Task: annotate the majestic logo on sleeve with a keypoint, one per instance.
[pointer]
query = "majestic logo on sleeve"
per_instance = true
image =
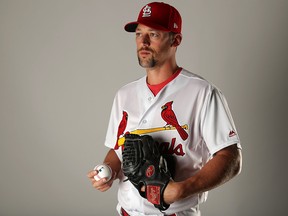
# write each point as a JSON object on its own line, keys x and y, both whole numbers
{"x": 232, "y": 133}
{"x": 169, "y": 116}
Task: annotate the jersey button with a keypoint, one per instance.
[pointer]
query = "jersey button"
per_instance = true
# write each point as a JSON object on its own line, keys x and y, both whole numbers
{"x": 149, "y": 98}
{"x": 144, "y": 121}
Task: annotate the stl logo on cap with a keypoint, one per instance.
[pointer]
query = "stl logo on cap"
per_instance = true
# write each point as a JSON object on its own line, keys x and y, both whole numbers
{"x": 159, "y": 16}
{"x": 146, "y": 11}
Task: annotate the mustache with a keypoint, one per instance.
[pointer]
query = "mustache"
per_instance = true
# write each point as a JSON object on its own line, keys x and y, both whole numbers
{"x": 145, "y": 49}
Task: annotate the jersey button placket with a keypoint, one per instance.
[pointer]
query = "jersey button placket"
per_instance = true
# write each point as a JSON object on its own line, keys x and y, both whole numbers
{"x": 149, "y": 102}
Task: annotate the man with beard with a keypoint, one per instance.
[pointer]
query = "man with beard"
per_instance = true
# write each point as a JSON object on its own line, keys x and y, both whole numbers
{"x": 187, "y": 115}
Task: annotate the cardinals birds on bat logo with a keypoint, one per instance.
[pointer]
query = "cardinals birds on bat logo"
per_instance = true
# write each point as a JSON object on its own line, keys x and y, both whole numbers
{"x": 169, "y": 116}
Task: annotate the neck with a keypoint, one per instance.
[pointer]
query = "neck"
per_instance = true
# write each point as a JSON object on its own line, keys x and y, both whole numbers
{"x": 158, "y": 75}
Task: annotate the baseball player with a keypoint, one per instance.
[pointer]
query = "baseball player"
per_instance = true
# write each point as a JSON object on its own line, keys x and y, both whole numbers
{"x": 187, "y": 116}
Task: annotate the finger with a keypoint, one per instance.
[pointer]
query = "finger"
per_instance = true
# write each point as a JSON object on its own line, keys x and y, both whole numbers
{"x": 91, "y": 174}
{"x": 104, "y": 187}
{"x": 99, "y": 184}
{"x": 102, "y": 184}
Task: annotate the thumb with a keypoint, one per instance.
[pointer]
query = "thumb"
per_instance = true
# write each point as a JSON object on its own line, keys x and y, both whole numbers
{"x": 92, "y": 173}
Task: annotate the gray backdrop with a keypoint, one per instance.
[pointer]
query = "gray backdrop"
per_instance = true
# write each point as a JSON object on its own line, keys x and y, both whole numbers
{"x": 61, "y": 63}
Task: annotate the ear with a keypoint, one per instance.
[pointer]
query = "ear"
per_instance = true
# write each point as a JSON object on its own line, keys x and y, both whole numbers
{"x": 176, "y": 40}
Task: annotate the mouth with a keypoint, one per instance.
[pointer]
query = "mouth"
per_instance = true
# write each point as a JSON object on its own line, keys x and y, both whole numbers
{"x": 144, "y": 53}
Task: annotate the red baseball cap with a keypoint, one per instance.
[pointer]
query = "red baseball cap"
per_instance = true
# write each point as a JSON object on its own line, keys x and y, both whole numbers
{"x": 159, "y": 16}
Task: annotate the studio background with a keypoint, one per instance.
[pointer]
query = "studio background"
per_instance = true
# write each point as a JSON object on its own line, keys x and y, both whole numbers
{"x": 61, "y": 62}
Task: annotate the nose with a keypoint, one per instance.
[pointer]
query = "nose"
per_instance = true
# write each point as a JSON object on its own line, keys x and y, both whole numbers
{"x": 145, "y": 40}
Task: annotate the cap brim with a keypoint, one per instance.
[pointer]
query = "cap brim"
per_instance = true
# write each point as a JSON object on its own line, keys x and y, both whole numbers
{"x": 132, "y": 26}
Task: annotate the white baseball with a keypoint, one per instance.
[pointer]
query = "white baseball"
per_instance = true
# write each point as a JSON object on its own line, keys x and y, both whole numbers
{"x": 104, "y": 171}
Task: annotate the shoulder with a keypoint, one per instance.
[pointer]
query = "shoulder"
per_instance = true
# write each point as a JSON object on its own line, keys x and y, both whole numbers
{"x": 196, "y": 81}
{"x": 198, "y": 86}
{"x": 193, "y": 77}
{"x": 131, "y": 86}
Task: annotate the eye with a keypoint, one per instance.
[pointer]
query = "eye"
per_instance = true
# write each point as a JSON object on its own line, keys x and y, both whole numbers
{"x": 138, "y": 34}
{"x": 154, "y": 35}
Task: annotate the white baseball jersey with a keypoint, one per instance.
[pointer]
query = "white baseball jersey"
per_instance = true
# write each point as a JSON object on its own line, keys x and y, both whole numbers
{"x": 190, "y": 119}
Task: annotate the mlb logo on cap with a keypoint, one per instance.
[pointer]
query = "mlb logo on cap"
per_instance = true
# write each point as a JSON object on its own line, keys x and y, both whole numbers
{"x": 159, "y": 16}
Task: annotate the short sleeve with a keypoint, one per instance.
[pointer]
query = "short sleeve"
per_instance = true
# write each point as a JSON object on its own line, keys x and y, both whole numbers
{"x": 218, "y": 128}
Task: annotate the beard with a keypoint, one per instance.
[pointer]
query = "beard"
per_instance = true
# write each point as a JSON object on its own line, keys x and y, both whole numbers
{"x": 147, "y": 62}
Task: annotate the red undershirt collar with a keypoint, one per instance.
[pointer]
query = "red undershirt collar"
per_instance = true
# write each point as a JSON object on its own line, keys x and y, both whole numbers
{"x": 157, "y": 88}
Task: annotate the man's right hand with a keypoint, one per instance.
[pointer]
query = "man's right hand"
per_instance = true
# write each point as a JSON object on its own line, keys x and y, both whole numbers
{"x": 101, "y": 185}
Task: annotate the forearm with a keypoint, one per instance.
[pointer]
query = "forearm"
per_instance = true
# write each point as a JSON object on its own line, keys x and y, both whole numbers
{"x": 113, "y": 161}
{"x": 224, "y": 166}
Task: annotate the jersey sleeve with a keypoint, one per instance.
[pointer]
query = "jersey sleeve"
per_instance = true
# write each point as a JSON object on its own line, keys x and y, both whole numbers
{"x": 111, "y": 134}
{"x": 218, "y": 128}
